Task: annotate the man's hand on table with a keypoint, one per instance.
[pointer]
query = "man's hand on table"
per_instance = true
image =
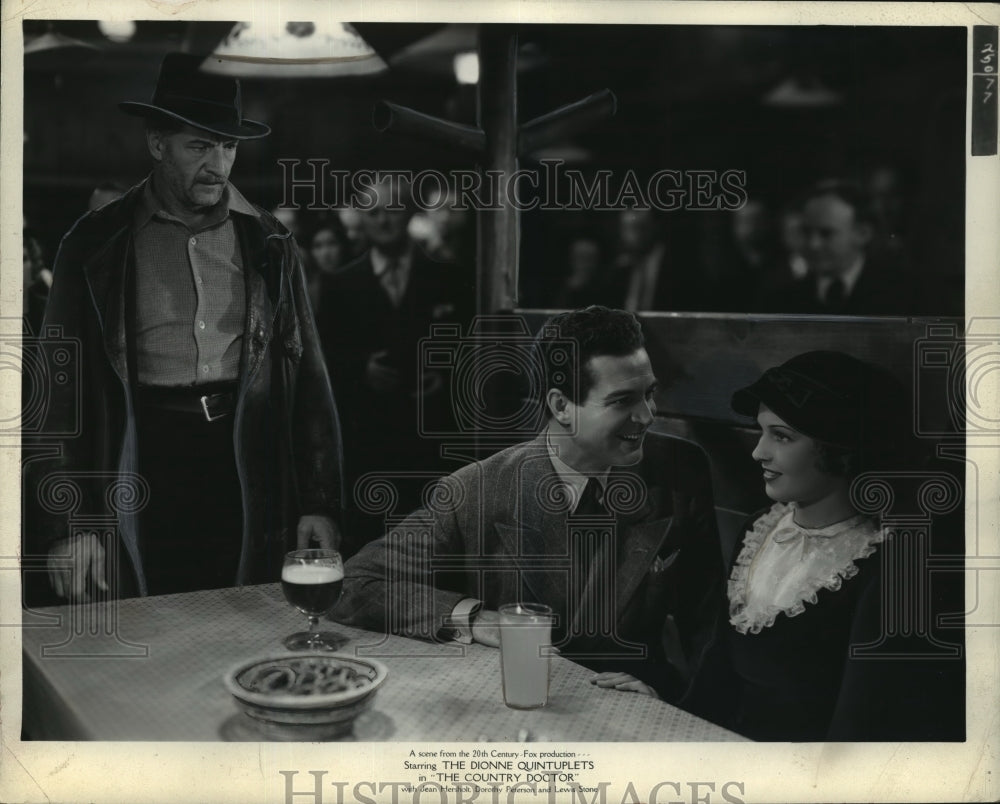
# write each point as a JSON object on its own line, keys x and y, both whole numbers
{"x": 486, "y": 631}
{"x": 75, "y": 565}
{"x": 623, "y": 681}
{"x": 322, "y": 529}
{"x": 486, "y": 628}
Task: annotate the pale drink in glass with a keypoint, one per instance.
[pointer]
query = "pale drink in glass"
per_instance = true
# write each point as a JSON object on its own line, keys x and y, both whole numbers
{"x": 525, "y": 645}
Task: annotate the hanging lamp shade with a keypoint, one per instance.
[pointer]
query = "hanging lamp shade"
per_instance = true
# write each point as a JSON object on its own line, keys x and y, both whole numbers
{"x": 802, "y": 92}
{"x": 274, "y": 49}
{"x": 53, "y": 51}
{"x": 53, "y": 40}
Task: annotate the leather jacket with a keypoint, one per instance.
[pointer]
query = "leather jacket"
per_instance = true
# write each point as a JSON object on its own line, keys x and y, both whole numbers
{"x": 286, "y": 430}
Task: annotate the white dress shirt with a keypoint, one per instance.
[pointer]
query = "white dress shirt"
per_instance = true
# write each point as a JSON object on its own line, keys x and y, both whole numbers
{"x": 849, "y": 278}
{"x": 393, "y": 281}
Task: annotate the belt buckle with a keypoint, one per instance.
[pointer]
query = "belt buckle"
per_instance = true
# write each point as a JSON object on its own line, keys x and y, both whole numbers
{"x": 204, "y": 406}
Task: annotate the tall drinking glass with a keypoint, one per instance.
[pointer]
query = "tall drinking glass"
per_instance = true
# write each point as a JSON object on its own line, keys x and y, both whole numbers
{"x": 525, "y": 648}
{"x": 311, "y": 580}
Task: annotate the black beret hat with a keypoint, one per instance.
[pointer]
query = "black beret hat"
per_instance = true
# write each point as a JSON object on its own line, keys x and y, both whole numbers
{"x": 832, "y": 397}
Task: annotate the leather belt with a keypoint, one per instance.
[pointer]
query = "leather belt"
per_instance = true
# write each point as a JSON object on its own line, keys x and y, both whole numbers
{"x": 213, "y": 402}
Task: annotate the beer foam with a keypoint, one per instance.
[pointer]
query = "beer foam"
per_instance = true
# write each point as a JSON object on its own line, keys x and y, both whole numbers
{"x": 311, "y": 573}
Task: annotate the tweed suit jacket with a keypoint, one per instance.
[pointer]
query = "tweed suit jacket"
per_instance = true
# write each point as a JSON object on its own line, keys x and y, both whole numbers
{"x": 498, "y": 530}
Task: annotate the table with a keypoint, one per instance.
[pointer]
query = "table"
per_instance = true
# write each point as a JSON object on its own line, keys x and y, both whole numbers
{"x": 151, "y": 669}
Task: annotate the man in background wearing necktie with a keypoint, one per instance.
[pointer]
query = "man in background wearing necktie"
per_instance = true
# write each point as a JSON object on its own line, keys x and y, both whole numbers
{"x": 844, "y": 278}
{"x": 375, "y": 311}
{"x": 609, "y": 524}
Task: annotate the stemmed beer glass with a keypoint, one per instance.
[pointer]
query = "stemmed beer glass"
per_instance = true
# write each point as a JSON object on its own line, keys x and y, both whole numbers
{"x": 311, "y": 580}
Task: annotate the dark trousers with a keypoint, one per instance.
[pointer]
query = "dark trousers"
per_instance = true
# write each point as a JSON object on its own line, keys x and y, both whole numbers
{"x": 191, "y": 531}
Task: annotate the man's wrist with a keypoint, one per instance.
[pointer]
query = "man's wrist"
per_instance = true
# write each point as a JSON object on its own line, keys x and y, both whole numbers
{"x": 459, "y": 622}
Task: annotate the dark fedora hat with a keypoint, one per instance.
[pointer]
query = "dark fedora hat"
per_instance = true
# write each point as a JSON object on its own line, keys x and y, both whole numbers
{"x": 210, "y": 102}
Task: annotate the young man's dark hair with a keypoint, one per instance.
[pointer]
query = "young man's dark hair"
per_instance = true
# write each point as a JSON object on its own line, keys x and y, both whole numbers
{"x": 568, "y": 341}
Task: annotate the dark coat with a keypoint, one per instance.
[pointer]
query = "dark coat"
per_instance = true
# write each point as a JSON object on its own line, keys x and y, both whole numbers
{"x": 495, "y": 533}
{"x": 358, "y": 319}
{"x": 798, "y": 680}
{"x": 286, "y": 430}
{"x": 880, "y": 290}
{"x": 387, "y": 430}
{"x": 679, "y": 284}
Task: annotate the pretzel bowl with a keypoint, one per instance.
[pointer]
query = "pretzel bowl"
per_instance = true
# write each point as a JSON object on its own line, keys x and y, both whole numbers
{"x": 309, "y": 696}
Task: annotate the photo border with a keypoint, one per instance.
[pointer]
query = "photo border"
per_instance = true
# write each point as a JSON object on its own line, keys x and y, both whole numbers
{"x": 777, "y": 772}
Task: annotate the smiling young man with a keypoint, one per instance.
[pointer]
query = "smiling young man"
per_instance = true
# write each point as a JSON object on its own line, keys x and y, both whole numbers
{"x": 609, "y": 524}
{"x": 202, "y": 380}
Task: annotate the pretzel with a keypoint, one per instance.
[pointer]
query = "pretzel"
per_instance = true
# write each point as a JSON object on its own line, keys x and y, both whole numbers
{"x": 302, "y": 676}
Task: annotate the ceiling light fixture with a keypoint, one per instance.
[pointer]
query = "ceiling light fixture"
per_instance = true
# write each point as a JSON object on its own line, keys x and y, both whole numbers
{"x": 292, "y": 49}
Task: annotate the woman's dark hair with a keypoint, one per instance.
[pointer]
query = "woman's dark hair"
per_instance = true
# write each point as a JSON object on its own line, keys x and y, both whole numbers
{"x": 325, "y": 222}
{"x": 856, "y": 411}
{"x": 838, "y": 461}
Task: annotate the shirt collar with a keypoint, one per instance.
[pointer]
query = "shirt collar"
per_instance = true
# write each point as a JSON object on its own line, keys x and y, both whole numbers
{"x": 849, "y": 278}
{"x": 149, "y": 205}
{"x": 380, "y": 261}
{"x": 574, "y": 481}
{"x": 237, "y": 203}
{"x": 788, "y": 530}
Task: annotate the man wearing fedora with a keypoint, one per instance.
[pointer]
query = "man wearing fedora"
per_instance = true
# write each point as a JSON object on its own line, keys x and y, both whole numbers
{"x": 203, "y": 383}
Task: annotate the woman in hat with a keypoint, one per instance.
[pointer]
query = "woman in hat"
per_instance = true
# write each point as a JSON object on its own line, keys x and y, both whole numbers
{"x": 805, "y": 583}
{"x": 803, "y": 563}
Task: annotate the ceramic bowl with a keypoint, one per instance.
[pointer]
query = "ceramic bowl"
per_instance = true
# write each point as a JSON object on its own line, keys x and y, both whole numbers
{"x": 313, "y": 695}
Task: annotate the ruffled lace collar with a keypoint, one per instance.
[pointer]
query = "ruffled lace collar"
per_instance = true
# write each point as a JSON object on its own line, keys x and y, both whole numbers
{"x": 782, "y": 566}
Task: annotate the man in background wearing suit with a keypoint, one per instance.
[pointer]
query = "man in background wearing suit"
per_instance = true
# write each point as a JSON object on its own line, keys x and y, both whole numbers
{"x": 521, "y": 525}
{"x": 843, "y": 278}
{"x": 651, "y": 272}
{"x": 375, "y": 311}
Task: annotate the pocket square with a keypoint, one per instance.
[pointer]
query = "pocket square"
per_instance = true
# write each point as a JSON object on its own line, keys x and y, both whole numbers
{"x": 660, "y": 564}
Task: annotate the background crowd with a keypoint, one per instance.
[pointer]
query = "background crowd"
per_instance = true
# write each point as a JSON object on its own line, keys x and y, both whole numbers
{"x": 783, "y": 106}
